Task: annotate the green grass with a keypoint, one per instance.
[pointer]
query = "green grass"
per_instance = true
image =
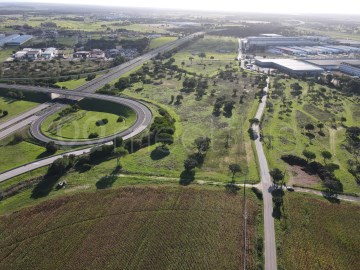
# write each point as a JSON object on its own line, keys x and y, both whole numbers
{"x": 72, "y": 84}
{"x": 317, "y": 234}
{"x": 11, "y": 157}
{"x": 209, "y": 45}
{"x": 289, "y": 135}
{"x": 80, "y": 124}
{"x": 14, "y": 107}
{"x": 131, "y": 227}
{"x": 5, "y": 54}
{"x": 158, "y": 42}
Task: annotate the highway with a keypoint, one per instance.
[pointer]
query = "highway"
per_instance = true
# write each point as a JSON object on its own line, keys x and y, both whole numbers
{"x": 92, "y": 86}
{"x": 269, "y": 229}
{"x": 143, "y": 113}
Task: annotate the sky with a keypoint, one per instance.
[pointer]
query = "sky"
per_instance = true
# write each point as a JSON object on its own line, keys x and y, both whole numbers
{"x": 262, "y": 6}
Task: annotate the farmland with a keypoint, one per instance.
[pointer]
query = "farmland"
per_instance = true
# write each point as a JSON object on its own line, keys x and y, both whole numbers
{"x": 132, "y": 227}
{"x": 318, "y": 234}
{"x": 284, "y": 129}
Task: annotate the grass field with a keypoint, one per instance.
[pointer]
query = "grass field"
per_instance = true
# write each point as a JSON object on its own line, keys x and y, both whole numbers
{"x": 158, "y": 42}
{"x": 223, "y": 50}
{"x": 5, "y": 54}
{"x": 317, "y": 234}
{"x": 72, "y": 84}
{"x": 80, "y": 124}
{"x": 14, "y": 107}
{"x": 131, "y": 228}
{"x": 10, "y": 158}
{"x": 289, "y": 136}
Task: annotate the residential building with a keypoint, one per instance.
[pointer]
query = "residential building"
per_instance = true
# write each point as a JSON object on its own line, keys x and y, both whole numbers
{"x": 34, "y": 54}
{"x": 81, "y": 54}
{"x": 49, "y": 53}
{"x": 97, "y": 53}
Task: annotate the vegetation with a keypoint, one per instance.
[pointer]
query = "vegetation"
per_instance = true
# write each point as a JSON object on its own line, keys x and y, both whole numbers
{"x": 86, "y": 118}
{"x": 145, "y": 217}
{"x": 158, "y": 42}
{"x": 318, "y": 233}
{"x": 311, "y": 124}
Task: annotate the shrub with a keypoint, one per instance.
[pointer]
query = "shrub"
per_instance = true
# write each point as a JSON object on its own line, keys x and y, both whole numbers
{"x": 101, "y": 122}
{"x": 93, "y": 135}
{"x": 294, "y": 160}
{"x": 51, "y": 147}
{"x": 120, "y": 119}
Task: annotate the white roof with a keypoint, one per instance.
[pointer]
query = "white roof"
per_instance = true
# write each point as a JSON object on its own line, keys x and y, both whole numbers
{"x": 292, "y": 64}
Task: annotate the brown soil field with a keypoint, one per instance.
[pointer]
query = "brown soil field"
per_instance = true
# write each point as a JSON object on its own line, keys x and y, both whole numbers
{"x": 163, "y": 227}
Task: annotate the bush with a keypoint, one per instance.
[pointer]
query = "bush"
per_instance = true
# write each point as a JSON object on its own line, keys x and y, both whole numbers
{"x": 93, "y": 135}
{"x": 118, "y": 141}
{"x": 101, "y": 151}
{"x": 294, "y": 160}
{"x": 60, "y": 166}
{"x": 101, "y": 122}
{"x": 121, "y": 119}
{"x": 51, "y": 147}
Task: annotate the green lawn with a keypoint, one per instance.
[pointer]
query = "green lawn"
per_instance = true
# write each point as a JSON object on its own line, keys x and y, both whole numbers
{"x": 132, "y": 227}
{"x": 80, "y": 124}
{"x": 9, "y": 154}
{"x": 214, "y": 60}
{"x": 6, "y": 53}
{"x": 14, "y": 107}
{"x": 289, "y": 136}
{"x": 318, "y": 234}
{"x": 72, "y": 84}
{"x": 158, "y": 42}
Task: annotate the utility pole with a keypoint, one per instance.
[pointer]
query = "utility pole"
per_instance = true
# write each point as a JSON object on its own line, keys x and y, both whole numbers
{"x": 245, "y": 224}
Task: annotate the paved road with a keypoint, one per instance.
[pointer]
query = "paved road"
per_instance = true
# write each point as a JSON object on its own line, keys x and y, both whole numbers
{"x": 269, "y": 230}
{"x": 24, "y": 115}
{"x": 8, "y": 131}
{"x": 143, "y": 113}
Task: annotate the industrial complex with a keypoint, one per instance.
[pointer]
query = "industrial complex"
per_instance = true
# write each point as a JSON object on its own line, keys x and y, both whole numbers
{"x": 14, "y": 40}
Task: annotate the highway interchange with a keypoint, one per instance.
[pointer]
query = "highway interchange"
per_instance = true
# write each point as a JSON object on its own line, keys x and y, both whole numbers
{"x": 144, "y": 118}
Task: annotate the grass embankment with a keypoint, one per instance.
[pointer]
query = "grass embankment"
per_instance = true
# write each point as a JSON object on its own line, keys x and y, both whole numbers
{"x": 14, "y": 106}
{"x": 223, "y": 50}
{"x": 318, "y": 234}
{"x": 80, "y": 124}
{"x": 133, "y": 227}
{"x": 285, "y": 133}
{"x": 72, "y": 84}
{"x": 158, "y": 42}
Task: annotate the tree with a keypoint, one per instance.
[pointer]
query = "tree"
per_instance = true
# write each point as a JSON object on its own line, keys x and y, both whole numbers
{"x": 190, "y": 164}
{"x": 51, "y": 147}
{"x": 254, "y": 121}
{"x": 5, "y": 113}
{"x": 309, "y": 155}
{"x": 202, "y": 144}
{"x": 191, "y": 59}
{"x": 309, "y": 127}
{"x": 182, "y": 64}
{"x": 320, "y": 126}
{"x": 179, "y": 98}
{"x": 343, "y": 119}
{"x": 277, "y": 176}
{"x": 118, "y": 141}
{"x": 202, "y": 55}
{"x": 59, "y": 166}
{"x": 326, "y": 155}
{"x": 234, "y": 168}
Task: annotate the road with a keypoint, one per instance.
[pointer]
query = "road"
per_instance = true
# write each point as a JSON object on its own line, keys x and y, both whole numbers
{"x": 269, "y": 230}
{"x": 92, "y": 86}
{"x": 143, "y": 113}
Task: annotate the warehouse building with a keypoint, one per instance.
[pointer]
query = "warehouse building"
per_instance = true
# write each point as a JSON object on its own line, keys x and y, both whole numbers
{"x": 290, "y": 66}
{"x": 332, "y": 64}
{"x": 20, "y": 40}
{"x": 263, "y": 42}
{"x": 6, "y": 39}
{"x": 353, "y": 70}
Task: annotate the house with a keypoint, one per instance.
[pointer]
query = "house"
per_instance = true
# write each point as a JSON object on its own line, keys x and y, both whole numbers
{"x": 34, "y": 54}
{"x": 97, "y": 53}
{"x": 49, "y": 53}
{"x": 81, "y": 54}
{"x": 21, "y": 54}
{"x": 61, "y": 54}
